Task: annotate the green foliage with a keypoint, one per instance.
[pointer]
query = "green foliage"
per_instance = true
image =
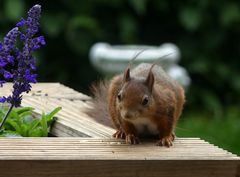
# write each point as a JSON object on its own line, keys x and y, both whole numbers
{"x": 23, "y": 123}
{"x": 207, "y": 33}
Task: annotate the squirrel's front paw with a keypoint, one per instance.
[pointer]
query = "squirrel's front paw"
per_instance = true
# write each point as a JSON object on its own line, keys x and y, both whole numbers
{"x": 166, "y": 141}
{"x": 119, "y": 134}
{"x": 132, "y": 139}
{"x": 173, "y": 136}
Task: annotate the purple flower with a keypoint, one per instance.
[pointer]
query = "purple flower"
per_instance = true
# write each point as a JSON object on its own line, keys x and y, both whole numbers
{"x": 37, "y": 42}
{"x": 22, "y": 59}
{"x": 3, "y": 99}
{"x": 10, "y": 40}
{"x": 21, "y": 22}
{"x": 7, "y": 75}
{"x": 6, "y": 48}
{"x": 6, "y": 59}
{"x": 32, "y": 21}
{"x": 2, "y": 63}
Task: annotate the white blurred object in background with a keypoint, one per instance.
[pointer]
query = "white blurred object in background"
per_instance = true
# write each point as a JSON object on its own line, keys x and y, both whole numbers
{"x": 114, "y": 59}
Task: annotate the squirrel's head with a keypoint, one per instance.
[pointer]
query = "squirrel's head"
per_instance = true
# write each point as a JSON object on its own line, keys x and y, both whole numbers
{"x": 135, "y": 96}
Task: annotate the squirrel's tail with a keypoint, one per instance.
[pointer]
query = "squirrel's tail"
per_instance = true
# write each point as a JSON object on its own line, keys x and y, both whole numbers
{"x": 99, "y": 108}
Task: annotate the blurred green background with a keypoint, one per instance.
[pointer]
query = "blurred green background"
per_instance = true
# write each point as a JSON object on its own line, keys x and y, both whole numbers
{"x": 207, "y": 33}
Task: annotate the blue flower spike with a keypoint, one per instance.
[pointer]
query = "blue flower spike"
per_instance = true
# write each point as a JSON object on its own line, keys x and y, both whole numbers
{"x": 18, "y": 64}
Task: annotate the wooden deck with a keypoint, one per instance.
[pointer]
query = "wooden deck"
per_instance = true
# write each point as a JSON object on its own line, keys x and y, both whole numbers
{"x": 94, "y": 153}
{"x": 71, "y": 119}
{"x": 62, "y": 157}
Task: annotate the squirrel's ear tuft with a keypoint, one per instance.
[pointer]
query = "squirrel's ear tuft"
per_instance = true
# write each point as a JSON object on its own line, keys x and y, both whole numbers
{"x": 126, "y": 76}
{"x": 150, "y": 80}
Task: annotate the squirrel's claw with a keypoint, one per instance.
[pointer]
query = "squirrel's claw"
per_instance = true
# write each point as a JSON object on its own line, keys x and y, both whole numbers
{"x": 166, "y": 141}
{"x": 132, "y": 139}
{"x": 119, "y": 134}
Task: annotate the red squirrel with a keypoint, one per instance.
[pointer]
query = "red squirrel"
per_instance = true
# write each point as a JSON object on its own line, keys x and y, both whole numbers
{"x": 144, "y": 100}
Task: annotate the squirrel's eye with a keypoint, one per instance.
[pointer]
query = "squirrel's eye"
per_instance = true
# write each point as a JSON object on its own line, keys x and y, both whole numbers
{"x": 119, "y": 96}
{"x": 145, "y": 100}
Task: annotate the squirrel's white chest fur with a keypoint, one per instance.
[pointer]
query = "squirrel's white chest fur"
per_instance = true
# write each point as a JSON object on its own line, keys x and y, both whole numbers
{"x": 145, "y": 126}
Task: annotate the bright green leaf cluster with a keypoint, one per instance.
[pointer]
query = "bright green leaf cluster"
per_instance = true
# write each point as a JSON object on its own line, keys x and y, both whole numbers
{"x": 23, "y": 122}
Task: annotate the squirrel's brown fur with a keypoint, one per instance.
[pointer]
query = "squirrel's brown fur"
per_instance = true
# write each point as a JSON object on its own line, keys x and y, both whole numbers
{"x": 142, "y": 101}
{"x": 99, "y": 110}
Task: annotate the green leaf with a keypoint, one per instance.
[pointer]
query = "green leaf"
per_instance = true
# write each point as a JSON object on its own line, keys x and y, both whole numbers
{"x": 13, "y": 115}
{"x": 23, "y": 122}
{"x": 37, "y": 132}
{"x": 16, "y": 118}
{"x": 15, "y": 125}
{"x": 2, "y": 113}
{"x": 50, "y": 115}
{"x": 44, "y": 125}
{"x": 24, "y": 130}
{"x": 33, "y": 126}
{"x": 23, "y": 110}
{"x": 8, "y": 126}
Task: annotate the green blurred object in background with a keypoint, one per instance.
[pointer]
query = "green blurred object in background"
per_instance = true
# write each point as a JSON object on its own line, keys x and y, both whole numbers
{"x": 207, "y": 33}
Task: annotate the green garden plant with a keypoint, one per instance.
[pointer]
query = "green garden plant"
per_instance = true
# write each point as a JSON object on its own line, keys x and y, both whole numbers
{"x": 23, "y": 122}
{"x": 17, "y": 64}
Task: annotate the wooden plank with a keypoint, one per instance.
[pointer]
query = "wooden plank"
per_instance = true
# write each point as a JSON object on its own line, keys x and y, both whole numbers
{"x": 113, "y": 168}
{"x": 107, "y": 149}
{"x": 71, "y": 115}
{"x": 71, "y": 119}
{"x": 64, "y": 157}
{"x": 54, "y": 90}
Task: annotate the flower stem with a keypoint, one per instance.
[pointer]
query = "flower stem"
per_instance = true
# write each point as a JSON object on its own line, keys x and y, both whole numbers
{"x": 5, "y": 117}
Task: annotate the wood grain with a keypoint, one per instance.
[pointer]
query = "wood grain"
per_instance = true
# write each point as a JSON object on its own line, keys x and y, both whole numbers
{"x": 86, "y": 149}
{"x": 62, "y": 157}
{"x": 72, "y": 121}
